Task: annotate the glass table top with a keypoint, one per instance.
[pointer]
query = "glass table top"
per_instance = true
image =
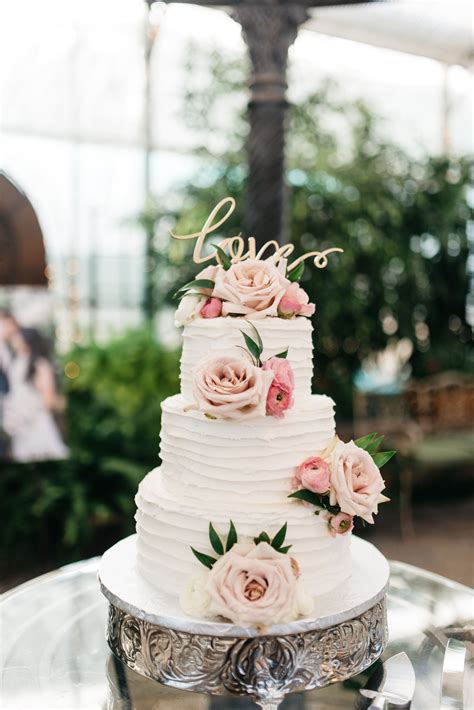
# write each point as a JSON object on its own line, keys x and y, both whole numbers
{"x": 54, "y": 655}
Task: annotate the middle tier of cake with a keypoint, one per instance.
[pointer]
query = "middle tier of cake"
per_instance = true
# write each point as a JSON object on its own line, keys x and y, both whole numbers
{"x": 217, "y": 471}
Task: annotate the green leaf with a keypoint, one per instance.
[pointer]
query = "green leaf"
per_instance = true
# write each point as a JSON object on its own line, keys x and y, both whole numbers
{"x": 279, "y": 538}
{"x": 208, "y": 415}
{"x": 231, "y": 537}
{"x": 263, "y": 537}
{"x": 284, "y": 550}
{"x": 224, "y": 258}
{"x": 216, "y": 542}
{"x": 364, "y": 441}
{"x": 205, "y": 560}
{"x": 315, "y": 499}
{"x": 257, "y": 336}
{"x": 283, "y": 355}
{"x": 296, "y": 273}
{"x": 381, "y": 458}
{"x": 197, "y": 283}
{"x": 374, "y": 445}
{"x": 307, "y": 496}
{"x": 253, "y": 347}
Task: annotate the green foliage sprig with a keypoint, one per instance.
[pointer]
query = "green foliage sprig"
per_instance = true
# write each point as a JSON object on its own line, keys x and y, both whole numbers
{"x": 186, "y": 290}
{"x": 277, "y": 541}
{"x": 220, "y": 549}
{"x": 371, "y": 443}
{"x": 295, "y": 274}
{"x": 217, "y": 545}
{"x": 224, "y": 258}
{"x": 255, "y": 347}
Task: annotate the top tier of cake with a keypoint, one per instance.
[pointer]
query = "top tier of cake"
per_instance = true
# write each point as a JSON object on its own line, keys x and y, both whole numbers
{"x": 223, "y": 336}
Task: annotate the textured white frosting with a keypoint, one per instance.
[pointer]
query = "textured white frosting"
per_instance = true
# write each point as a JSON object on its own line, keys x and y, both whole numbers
{"x": 217, "y": 470}
{"x": 222, "y": 336}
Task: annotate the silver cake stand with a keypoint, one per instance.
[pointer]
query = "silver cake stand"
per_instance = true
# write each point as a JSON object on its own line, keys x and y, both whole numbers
{"x": 147, "y": 631}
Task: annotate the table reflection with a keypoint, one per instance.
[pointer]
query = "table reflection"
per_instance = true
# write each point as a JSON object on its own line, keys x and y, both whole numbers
{"x": 54, "y": 653}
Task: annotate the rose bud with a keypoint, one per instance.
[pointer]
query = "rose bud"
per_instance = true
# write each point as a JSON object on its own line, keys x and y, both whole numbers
{"x": 212, "y": 308}
{"x": 340, "y": 524}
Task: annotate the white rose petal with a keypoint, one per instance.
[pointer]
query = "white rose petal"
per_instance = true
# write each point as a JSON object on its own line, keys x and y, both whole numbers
{"x": 194, "y": 598}
{"x": 189, "y": 309}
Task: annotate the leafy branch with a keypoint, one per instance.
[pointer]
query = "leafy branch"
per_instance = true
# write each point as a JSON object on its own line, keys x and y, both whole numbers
{"x": 196, "y": 284}
{"x": 277, "y": 541}
{"x": 371, "y": 443}
{"x": 315, "y": 499}
{"x": 255, "y": 347}
{"x": 217, "y": 545}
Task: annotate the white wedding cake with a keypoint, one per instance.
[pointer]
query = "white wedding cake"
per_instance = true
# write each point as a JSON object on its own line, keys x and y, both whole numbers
{"x": 249, "y": 517}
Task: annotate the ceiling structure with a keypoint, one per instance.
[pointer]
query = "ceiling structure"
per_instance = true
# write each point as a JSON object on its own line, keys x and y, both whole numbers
{"x": 438, "y": 29}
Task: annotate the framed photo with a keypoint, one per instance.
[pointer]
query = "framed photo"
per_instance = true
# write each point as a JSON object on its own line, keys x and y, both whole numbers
{"x": 31, "y": 400}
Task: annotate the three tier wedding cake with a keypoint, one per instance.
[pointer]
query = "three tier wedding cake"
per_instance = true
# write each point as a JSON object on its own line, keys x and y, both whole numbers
{"x": 249, "y": 517}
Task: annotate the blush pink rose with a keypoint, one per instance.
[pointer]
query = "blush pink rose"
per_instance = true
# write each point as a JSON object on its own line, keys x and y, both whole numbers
{"x": 231, "y": 387}
{"x": 340, "y": 524}
{"x": 251, "y": 287}
{"x": 280, "y": 394}
{"x": 254, "y": 585}
{"x": 356, "y": 482}
{"x": 212, "y": 308}
{"x": 314, "y": 475}
{"x": 295, "y": 302}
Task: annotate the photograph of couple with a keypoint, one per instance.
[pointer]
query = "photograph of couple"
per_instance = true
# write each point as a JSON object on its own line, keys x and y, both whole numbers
{"x": 30, "y": 399}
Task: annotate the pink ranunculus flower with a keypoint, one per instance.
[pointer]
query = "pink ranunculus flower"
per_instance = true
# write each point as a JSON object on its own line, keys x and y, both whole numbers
{"x": 295, "y": 302}
{"x": 252, "y": 287}
{"x": 356, "y": 482}
{"x": 254, "y": 585}
{"x": 231, "y": 387}
{"x": 340, "y": 524}
{"x": 314, "y": 475}
{"x": 212, "y": 308}
{"x": 280, "y": 394}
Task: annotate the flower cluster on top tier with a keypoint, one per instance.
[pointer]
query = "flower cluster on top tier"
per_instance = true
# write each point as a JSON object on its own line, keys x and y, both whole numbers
{"x": 236, "y": 386}
{"x": 253, "y": 583}
{"x": 345, "y": 481}
{"x": 252, "y": 288}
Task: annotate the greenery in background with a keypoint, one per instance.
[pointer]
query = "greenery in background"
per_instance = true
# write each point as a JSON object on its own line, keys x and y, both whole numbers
{"x": 400, "y": 221}
{"x": 402, "y": 225}
{"x": 62, "y": 510}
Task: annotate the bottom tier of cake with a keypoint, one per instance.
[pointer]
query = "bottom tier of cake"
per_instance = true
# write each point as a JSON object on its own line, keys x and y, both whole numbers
{"x": 167, "y": 527}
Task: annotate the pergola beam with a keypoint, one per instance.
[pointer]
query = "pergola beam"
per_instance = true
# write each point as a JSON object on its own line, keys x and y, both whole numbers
{"x": 269, "y": 27}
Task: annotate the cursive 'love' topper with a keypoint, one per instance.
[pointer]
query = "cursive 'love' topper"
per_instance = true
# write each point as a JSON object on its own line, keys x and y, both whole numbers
{"x": 236, "y": 246}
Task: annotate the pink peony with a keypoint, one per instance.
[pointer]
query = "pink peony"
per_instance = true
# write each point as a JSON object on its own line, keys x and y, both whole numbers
{"x": 314, "y": 475}
{"x": 295, "y": 302}
{"x": 251, "y": 287}
{"x": 340, "y": 524}
{"x": 356, "y": 483}
{"x": 231, "y": 387}
{"x": 280, "y": 394}
{"x": 254, "y": 585}
{"x": 212, "y": 308}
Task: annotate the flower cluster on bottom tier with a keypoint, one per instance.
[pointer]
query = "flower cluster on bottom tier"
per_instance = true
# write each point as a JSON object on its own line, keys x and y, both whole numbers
{"x": 241, "y": 471}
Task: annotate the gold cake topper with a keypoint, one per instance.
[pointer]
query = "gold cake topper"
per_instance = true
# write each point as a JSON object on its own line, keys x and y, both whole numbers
{"x": 236, "y": 245}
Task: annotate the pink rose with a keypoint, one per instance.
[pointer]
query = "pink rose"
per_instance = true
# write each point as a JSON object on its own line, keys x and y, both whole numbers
{"x": 254, "y": 585}
{"x": 251, "y": 287}
{"x": 280, "y": 394}
{"x": 314, "y": 475}
{"x": 231, "y": 387}
{"x": 356, "y": 483}
{"x": 212, "y": 308}
{"x": 340, "y": 524}
{"x": 295, "y": 302}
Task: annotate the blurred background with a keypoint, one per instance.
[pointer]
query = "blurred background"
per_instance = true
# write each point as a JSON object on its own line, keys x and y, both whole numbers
{"x": 123, "y": 120}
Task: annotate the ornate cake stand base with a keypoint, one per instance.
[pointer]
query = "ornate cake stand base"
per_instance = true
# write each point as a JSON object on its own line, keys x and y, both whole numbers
{"x": 149, "y": 634}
